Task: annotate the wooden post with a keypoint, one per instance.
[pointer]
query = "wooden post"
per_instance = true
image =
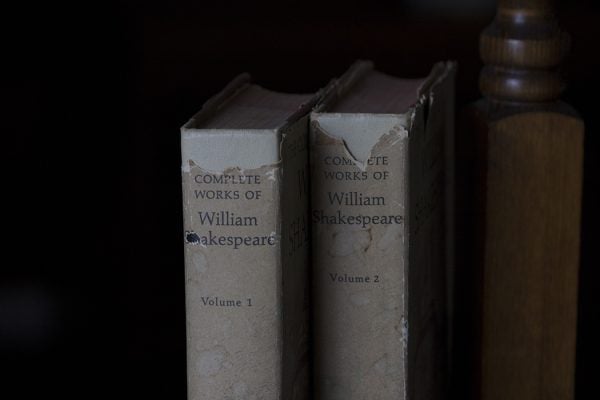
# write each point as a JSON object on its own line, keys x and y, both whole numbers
{"x": 528, "y": 149}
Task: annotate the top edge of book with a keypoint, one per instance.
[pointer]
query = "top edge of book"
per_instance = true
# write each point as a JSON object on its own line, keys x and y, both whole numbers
{"x": 243, "y": 105}
{"x": 364, "y": 90}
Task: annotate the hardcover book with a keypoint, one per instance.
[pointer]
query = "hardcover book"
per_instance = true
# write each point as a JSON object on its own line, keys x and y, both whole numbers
{"x": 245, "y": 193}
{"x": 380, "y": 176}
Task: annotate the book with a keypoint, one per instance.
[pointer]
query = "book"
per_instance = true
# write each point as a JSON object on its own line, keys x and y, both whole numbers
{"x": 245, "y": 198}
{"x": 380, "y": 165}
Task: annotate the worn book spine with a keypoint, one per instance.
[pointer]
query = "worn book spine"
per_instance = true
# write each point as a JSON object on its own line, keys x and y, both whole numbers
{"x": 379, "y": 252}
{"x": 360, "y": 256}
{"x": 246, "y": 249}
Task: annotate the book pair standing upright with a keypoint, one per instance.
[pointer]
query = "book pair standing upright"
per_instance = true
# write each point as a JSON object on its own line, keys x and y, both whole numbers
{"x": 378, "y": 149}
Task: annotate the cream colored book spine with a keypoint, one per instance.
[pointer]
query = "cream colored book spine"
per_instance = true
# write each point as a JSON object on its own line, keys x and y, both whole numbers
{"x": 246, "y": 249}
{"x": 379, "y": 256}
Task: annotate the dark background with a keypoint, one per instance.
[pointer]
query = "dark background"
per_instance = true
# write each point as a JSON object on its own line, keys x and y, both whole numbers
{"x": 91, "y": 282}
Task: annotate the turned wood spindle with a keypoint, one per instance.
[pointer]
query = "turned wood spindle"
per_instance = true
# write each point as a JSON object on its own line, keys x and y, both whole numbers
{"x": 527, "y": 154}
{"x": 522, "y": 49}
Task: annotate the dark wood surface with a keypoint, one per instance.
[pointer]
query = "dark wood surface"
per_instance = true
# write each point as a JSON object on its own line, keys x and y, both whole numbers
{"x": 528, "y": 199}
{"x": 522, "y": 49}
{"x": 528, "y": 150}
{"x": 93, "y": 206}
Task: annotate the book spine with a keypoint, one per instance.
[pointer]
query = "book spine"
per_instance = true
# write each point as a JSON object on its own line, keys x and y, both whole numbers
{"x": 233, "y": 278}
{"x": 360, "y": 259}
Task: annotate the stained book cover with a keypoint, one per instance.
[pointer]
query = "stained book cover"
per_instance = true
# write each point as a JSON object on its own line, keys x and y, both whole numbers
{"x": 378, "y": 175}
{"x": 244, "y": 169}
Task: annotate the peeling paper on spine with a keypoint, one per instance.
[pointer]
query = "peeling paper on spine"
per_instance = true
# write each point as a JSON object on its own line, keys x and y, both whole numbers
{"x": 359, "y": 255}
